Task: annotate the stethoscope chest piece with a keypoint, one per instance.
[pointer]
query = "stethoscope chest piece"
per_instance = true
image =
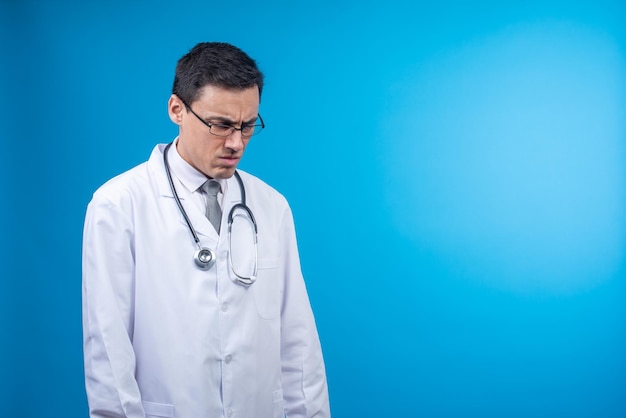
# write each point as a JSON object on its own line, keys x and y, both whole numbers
{"x": 204, "y": 258}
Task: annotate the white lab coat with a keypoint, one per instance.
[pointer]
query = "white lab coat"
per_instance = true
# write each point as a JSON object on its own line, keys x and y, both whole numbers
{"x": 163, "y": 338}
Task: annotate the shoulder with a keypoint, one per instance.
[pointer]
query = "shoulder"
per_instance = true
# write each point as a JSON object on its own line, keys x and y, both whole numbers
{"x": 259, "y": 189}
{"x": 130, "y": 185}
{"x": 123, "y": 185}
{"x": 264, "y": 199}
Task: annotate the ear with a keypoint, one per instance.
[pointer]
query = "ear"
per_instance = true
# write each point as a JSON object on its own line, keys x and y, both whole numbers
{"x": 175, "y": 108}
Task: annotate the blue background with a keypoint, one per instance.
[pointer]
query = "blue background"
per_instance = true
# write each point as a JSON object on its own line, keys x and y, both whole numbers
{"x": 457, "y": 172}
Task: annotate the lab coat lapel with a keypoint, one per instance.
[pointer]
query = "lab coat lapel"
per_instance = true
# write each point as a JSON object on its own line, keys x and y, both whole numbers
{"x": 232, "y": 197}
{"x": 198, "y": 220}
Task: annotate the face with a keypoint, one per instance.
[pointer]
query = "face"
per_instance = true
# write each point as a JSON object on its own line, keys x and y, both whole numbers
{"x": 215, "y": 156}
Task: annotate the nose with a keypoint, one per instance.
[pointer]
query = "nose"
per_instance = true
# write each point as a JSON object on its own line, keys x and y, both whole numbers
{"x": 235, "y": 141}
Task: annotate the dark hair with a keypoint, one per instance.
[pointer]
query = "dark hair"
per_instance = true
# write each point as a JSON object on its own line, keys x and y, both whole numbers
{"x": 217, "y": 64}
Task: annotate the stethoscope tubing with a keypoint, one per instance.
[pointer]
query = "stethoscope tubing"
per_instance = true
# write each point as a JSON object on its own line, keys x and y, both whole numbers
{"x": 205, "y": 257}
{"x": 180, "y": 205}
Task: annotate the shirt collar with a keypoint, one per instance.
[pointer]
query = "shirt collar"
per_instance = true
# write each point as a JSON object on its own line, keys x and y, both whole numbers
{"x": 190, "y": 178}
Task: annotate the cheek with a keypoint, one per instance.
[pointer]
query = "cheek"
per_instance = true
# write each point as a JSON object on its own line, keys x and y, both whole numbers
{"x": 208, "y": 151}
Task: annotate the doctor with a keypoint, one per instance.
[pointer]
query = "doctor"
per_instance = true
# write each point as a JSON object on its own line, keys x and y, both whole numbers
{"x": 165, "y": 336}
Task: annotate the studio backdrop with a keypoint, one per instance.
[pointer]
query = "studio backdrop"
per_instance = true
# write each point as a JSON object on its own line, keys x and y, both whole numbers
{"x": 456, "y": 170}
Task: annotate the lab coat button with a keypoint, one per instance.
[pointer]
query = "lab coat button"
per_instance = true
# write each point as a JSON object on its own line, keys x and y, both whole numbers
{"x": 224, "y": 307}
{"x": 228, "y": 358}
{"x": 230, "y": 412}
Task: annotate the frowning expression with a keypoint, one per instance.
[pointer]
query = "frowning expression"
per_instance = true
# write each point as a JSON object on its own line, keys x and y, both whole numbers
{"x": 215, "y": 156}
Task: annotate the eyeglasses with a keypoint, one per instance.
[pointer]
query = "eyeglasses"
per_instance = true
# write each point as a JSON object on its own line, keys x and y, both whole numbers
{"x": 223, "y": 130}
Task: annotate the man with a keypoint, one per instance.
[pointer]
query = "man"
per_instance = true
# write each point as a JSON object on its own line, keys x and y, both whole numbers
{"x": 181, "y": 316}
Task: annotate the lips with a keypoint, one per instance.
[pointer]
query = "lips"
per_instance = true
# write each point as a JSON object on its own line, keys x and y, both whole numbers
{"x": 230, "y": 160}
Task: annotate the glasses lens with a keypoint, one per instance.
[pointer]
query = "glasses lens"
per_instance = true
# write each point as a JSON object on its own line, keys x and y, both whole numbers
{"x": 221, "y": 130}
{"x": 252, "y": 130}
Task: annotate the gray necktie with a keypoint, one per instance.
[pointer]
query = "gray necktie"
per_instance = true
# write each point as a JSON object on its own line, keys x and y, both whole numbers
{"x": 213, "y": 210}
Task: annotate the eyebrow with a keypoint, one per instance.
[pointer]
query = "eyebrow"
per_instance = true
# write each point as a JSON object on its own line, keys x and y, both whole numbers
{"x": 226, "y": 121}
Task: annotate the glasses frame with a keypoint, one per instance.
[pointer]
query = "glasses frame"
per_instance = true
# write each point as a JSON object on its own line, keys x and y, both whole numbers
{"x": 232, "y": 128}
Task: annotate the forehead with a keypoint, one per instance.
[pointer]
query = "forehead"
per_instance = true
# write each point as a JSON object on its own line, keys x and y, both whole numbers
{"x": 216, "y": 99}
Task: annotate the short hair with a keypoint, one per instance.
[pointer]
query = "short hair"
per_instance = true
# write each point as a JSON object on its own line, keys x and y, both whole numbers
{"x": 217, "y": 64}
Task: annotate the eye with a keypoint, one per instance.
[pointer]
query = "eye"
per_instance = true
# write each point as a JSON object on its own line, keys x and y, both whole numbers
{"x": 221, "y": 129}
{"x": 247, "y": 129}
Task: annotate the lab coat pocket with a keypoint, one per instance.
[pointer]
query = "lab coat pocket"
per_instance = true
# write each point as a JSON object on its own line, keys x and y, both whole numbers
{"x": 154, "y": 409}
{"x": 267, "y": 289}
{"x": 279, "y": 404}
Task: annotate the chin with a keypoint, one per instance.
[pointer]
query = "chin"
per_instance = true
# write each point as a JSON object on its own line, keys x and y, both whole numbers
{"x": 223, "y": 174}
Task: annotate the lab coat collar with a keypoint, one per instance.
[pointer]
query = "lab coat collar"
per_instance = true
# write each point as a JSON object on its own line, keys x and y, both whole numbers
{"x": 202, "y": 226}
{"x": 191, "y": 178}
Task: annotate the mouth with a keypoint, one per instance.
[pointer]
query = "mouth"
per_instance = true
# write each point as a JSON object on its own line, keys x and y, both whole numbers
{"x": 229, "y": 160}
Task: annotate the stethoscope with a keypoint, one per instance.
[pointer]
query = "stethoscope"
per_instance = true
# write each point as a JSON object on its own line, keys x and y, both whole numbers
{"x": 204, "y": 257}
